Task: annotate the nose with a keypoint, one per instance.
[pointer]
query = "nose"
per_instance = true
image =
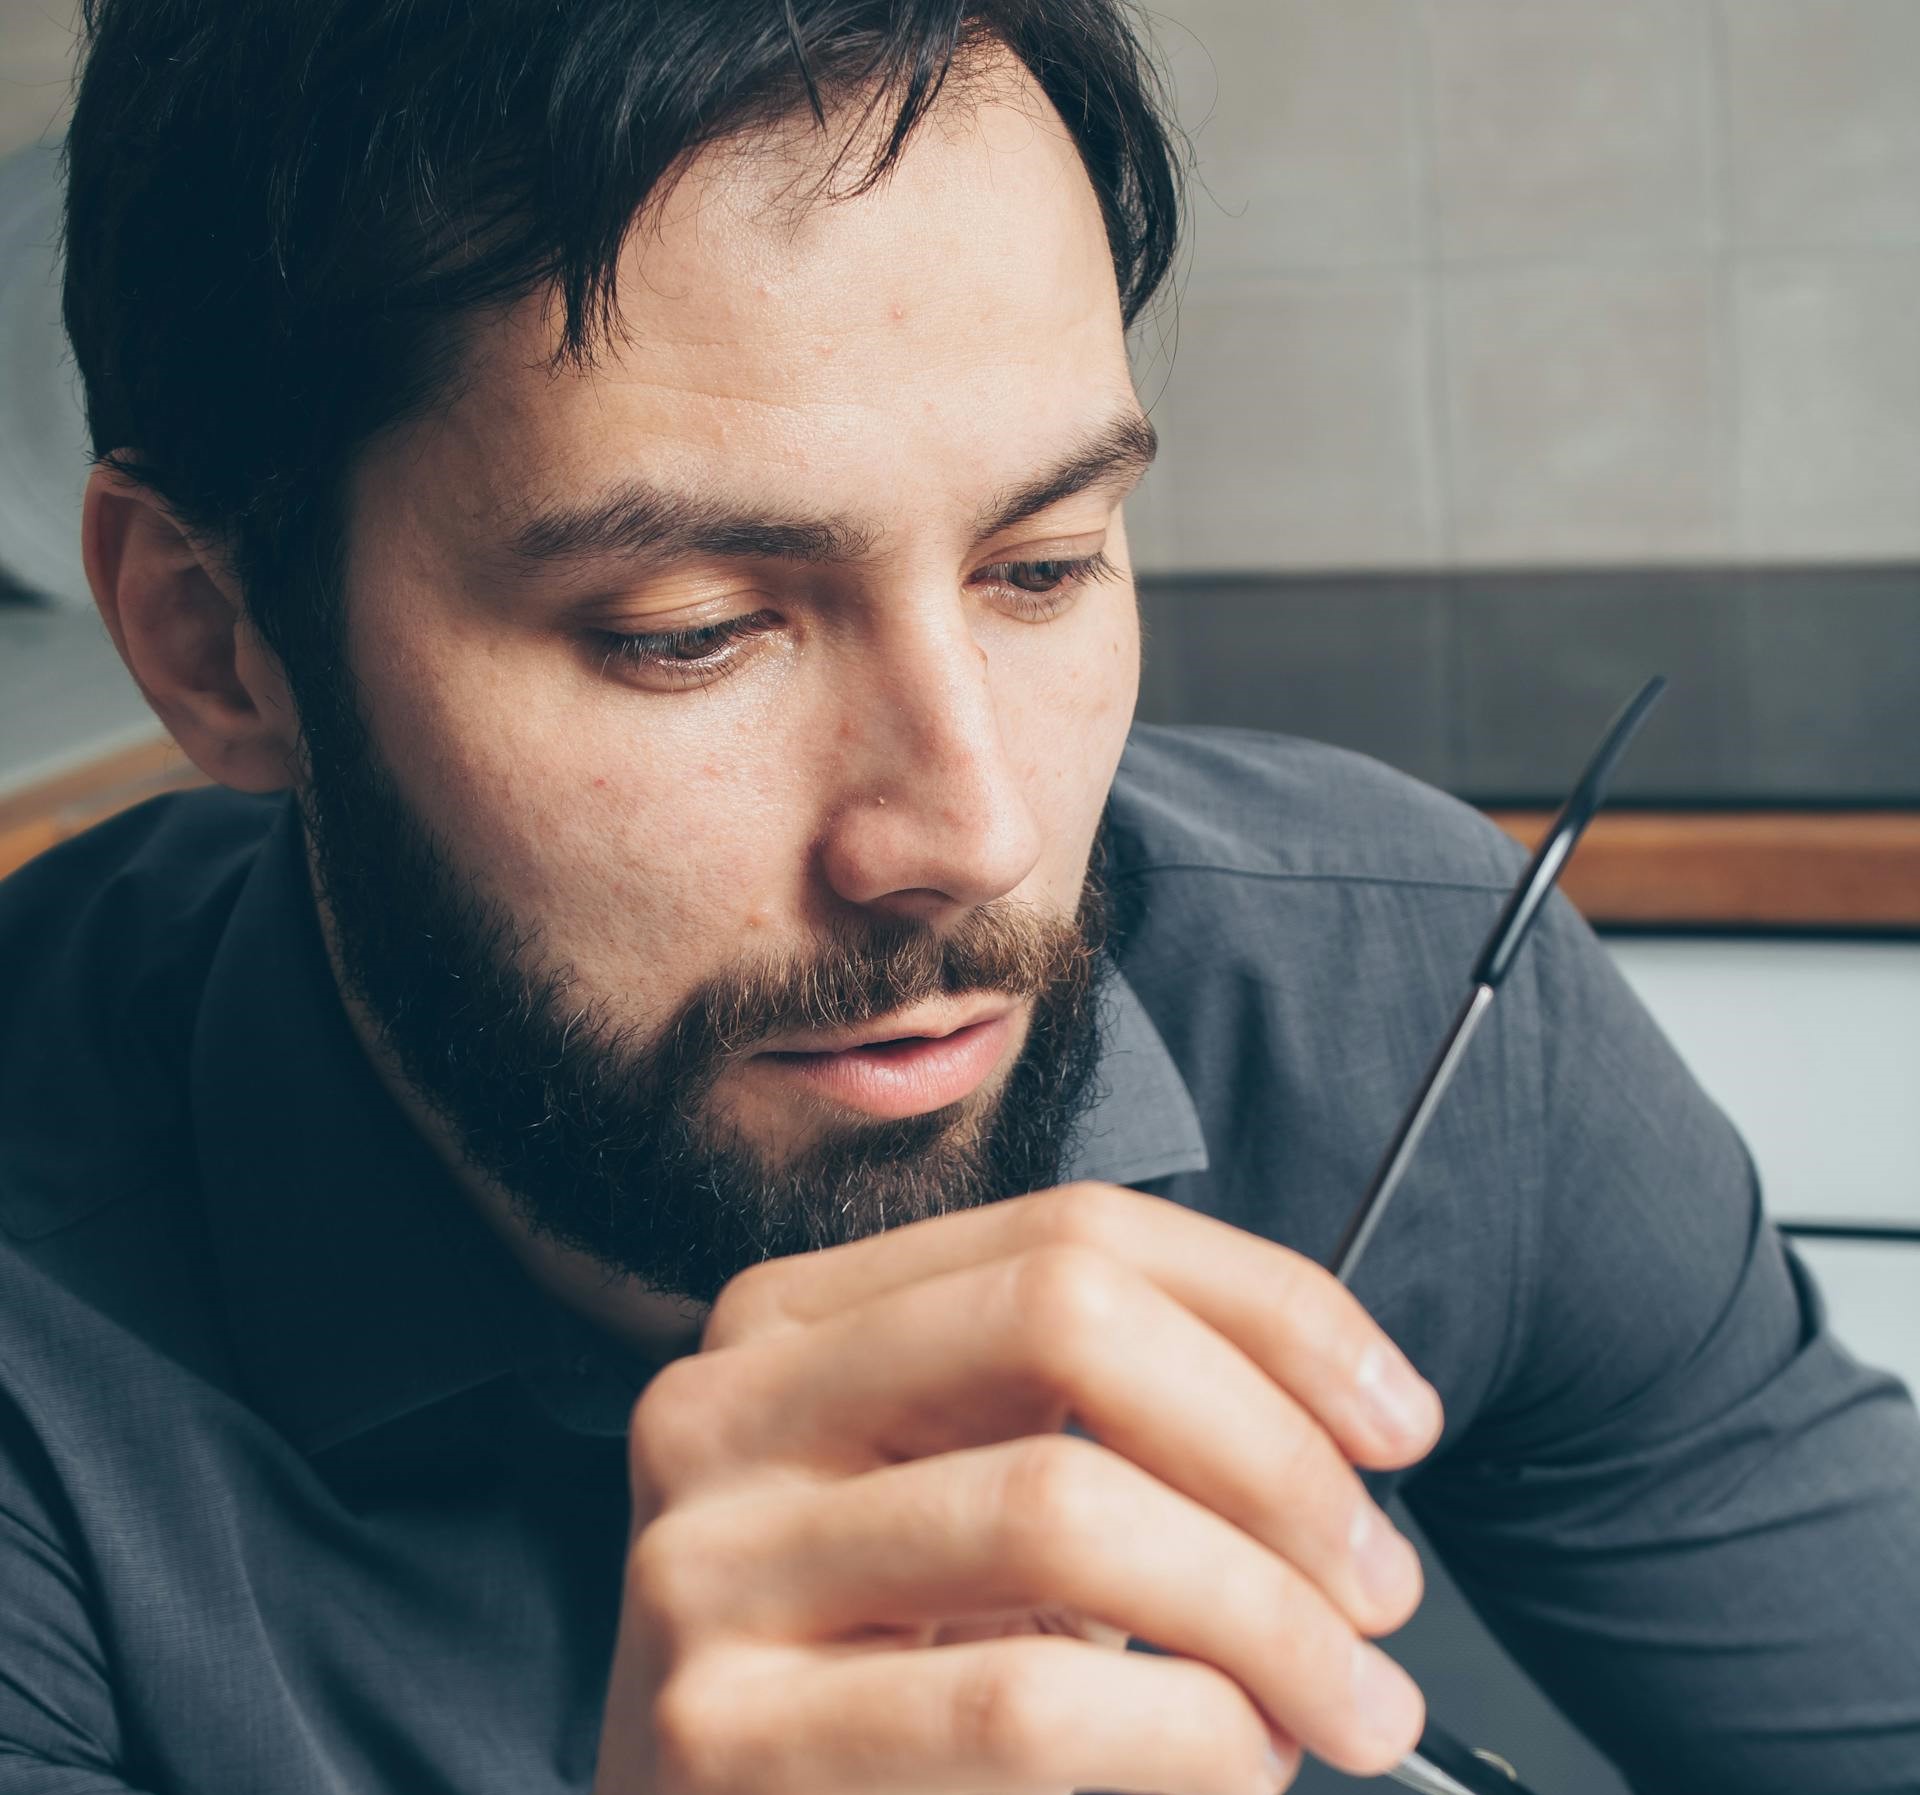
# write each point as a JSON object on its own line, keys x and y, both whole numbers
{"x": 931, "y": 817}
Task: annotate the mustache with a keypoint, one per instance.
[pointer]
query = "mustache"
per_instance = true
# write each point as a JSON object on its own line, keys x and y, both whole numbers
{"x": 859, "y": 976}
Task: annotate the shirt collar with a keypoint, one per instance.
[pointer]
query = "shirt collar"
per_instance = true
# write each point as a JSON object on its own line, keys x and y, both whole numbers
{"x": 360, "y": 1282}
{"x": 1143, "y": 1124}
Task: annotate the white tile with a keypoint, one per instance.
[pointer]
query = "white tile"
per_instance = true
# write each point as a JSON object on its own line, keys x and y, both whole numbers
{"x": 1823, "y": 100}
{"x": 1294, "y": 427}
{"x": 1828, "y": 372}
{"x": 1303, "y": 115}
{"x": 1813, "y": 1049}
{"x": 37, "y": 40}
{"x": 1569, "y": 130}
{"x": 1580, "y": 414}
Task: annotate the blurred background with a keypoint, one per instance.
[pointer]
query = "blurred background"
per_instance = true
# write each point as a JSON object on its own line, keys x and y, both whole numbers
{"x": 1522, "y": 350}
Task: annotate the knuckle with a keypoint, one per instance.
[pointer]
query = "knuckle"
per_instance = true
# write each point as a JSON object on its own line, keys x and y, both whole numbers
{"x": 669, "y": 1429}
{"x": 1051, "y": 1500}
{"x": 1001, "y": 1719}
{"x": 1302, "y": 1279}
{"x": 670, "y": 1579}
{"x": 1311, "y": 1477}
{"x": 1321, "y": 1655}
{"x": 747, "y": 1304}
{"x": 1227, "y": 1731}
{"x": 1292, "y": 1459}
{"x": 690, "y": 1729}
{"x": 1305, "y": 1639}
{"x": 1086, "y": 1215}
{"x": 1067, "y": 1301}
{"x": 1326, "y": 1307}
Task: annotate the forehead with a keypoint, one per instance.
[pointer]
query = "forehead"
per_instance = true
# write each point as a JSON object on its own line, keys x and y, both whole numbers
{"x": 961, "y": 314}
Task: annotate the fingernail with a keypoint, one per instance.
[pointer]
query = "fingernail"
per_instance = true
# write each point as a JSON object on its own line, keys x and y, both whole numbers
{"x": 1390, "y": 1706}
{"x": 1402, "y": 1401}
{"x": 1382, "y": 1558}
{"x": 1282, "y": 1767}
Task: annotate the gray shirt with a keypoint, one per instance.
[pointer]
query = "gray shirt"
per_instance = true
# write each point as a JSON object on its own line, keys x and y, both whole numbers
{"x": 304, "y": 1489}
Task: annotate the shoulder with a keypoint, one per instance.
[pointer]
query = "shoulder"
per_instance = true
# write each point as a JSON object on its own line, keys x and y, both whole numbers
{"x": 1264, "y": 807}
{"x": 106, "y": 940}
{"x": 170, "y": 853}
{"x": 106, "y": 914}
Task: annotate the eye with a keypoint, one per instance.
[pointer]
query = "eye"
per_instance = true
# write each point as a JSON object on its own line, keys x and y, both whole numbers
{"x": 1041, "y": 589}
{"x": 681, "y": 657}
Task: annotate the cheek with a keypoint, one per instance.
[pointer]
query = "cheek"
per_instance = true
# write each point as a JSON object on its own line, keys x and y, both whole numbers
{"x": 1096, "y": 684}
{"x": 644, "y": 855}
{"x": 1073, "y": 715}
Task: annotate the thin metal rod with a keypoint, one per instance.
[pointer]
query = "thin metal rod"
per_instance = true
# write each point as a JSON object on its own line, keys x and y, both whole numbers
{"x": 1443, "y": 1766}
{"x": 1416, "y": 1772}
{"x": 1386, "y": 1181}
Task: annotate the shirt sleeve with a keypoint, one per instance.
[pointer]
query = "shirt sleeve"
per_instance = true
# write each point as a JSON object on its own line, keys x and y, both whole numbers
{"x": 1686, "y": 1510}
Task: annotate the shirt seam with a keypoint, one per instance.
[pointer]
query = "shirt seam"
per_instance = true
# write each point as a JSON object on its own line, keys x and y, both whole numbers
{"x": 1402, "y": 881}
{"x": 1524, "y": 1238}
{"x": 1524, "y": 1282}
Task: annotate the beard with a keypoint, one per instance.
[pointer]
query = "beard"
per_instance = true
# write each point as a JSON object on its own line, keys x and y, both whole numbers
{"x": 613, "y": 1146}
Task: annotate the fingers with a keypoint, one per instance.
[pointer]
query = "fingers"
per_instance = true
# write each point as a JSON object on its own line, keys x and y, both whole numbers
{"x": 1010, "y": 1715}
{"x": 1014, "y": 1347}
{"x": 1288, "y": 1315}
{"x": 1041, "y": 1523}
{"x": 866, "y": 1457}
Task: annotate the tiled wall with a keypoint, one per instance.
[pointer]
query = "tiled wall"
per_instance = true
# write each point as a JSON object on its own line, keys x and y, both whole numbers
{"x": 1485, "y": 282}
{"x": 1482, "y": 282}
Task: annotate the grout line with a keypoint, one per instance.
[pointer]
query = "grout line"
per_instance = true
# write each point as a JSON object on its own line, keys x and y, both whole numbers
{"x": 1418, "y": 68}
{"x": 1727, "y": 366}
{"x": 1280, "y": 275}
{"x": 1450, "y": 674}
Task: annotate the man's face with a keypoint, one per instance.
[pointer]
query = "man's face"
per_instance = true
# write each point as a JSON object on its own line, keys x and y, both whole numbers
{"x": 782, "y": 636}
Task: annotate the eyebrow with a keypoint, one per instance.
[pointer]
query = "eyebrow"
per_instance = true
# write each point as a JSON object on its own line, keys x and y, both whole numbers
{"x": 636, "y": 517}
{"x": 1119, "y": 452}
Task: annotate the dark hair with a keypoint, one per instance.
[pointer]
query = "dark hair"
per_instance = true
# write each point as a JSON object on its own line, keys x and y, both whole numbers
{"x": 282, "y": 215}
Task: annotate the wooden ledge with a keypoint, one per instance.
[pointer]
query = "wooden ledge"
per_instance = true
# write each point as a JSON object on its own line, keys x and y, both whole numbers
{"x": 43, "y": 815}
{"x": 1763, "y": 869}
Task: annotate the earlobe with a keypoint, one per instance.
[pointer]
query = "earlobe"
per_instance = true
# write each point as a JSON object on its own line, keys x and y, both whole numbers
{"x": 179, "y": 622}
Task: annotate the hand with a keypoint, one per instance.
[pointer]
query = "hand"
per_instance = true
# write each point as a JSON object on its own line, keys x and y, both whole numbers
{"x": 866, "y": 1561}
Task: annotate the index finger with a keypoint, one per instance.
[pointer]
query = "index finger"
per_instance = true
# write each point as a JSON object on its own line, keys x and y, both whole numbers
{"x": 1289, "y": 1315}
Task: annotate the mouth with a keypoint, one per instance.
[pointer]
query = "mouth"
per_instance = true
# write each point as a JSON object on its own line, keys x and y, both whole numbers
{"x": 905, "y": 1067}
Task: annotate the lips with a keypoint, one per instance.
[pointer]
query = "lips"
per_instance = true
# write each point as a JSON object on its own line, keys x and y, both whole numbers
{"x": 898, "y": 1073}
{"x": 926, "y": 1023}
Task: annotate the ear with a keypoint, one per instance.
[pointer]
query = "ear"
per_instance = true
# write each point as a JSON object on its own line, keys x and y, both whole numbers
{"x": 177, "y": 617}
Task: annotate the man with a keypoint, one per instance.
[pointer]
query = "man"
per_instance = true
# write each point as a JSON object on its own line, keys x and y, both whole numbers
{"x": 704, "y": 1176}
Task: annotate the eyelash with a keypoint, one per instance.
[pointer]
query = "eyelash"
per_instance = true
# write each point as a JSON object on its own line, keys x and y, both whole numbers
{"x": 694, "y": 656}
